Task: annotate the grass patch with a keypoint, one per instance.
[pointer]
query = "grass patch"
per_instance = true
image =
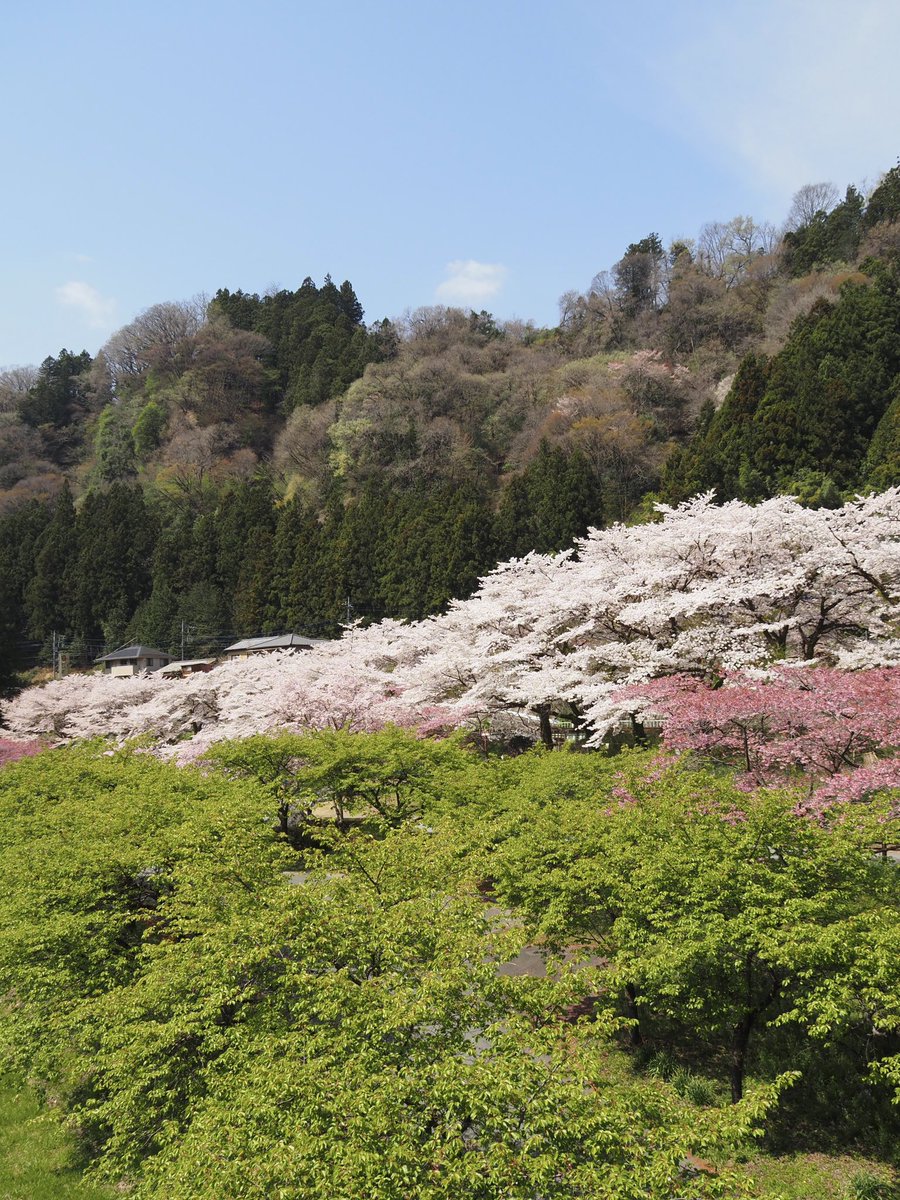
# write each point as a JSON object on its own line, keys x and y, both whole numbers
{"x": 822, "y": 1177}
{"x": 37, "y": 1157}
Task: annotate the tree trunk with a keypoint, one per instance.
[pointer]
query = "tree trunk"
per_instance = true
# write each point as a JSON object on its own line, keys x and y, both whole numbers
{"x": 739, "y": 1043}
{"x": 543, "y": 712}
{"x": 638, "y": 732}
{"x": 634, "y": 1034}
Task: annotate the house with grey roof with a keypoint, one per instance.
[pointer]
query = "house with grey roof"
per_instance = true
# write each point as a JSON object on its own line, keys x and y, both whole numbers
{"x": 131, "y": 660}
{"x": 187, "y": 666}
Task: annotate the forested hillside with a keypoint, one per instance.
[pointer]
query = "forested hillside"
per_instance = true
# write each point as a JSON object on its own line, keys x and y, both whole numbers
{"x": 255, "y": 464}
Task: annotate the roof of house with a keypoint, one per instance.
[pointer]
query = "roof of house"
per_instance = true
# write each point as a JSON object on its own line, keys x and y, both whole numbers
{"x": 132, "y": 652}
{"x": 171, "y": 667}
{"x": 282, "y": 641}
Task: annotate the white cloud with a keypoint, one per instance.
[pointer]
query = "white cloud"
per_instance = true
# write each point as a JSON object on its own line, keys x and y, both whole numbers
{"x": 99, "y": 311}
{"x": 791, "y": 91}
{"x": 471, "y": 282}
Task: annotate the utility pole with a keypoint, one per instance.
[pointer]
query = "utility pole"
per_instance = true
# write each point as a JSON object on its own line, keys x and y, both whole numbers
{"x": 60, "y": 663}
{"x": 187, "y": 631}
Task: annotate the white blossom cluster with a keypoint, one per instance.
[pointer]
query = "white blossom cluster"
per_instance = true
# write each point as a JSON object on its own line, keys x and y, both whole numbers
{"x": 707, "y": 589}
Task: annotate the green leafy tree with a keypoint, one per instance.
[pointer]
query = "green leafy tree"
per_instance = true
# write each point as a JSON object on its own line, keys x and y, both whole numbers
{"x": 391, "y": 775}
{"x": 148, "y": 428}
{"x": 720, "y": 912}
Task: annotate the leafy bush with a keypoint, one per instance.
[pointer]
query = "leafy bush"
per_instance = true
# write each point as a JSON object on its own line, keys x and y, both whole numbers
{"x": 865, "y": 1186}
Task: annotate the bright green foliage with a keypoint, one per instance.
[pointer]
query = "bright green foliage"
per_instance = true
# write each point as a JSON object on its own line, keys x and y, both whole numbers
{"x": 863, "y": 984}
{"x": 219, "y": 1031}
{"x": 720, "y": 911}
{"x": 148, "y": 428}
{"x": 815, "y": 489}
{"x": 392, "y": 774}
{"x": 114, "y": 445}
{"x": 88, "y": 844}
{"x": 347, "y": 1063}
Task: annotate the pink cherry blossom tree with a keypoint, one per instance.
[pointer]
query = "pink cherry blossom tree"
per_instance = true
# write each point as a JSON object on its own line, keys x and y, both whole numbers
{"x": 822, "y": 724}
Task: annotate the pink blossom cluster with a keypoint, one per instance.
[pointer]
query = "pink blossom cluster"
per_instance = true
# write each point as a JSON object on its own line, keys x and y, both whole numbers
{"x": 862, "y": 784}
{"x": 11, "y": 749}
{"x": 819, "y": 722}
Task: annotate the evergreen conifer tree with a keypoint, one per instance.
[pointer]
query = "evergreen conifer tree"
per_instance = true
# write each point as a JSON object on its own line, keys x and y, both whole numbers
{"x": 49, "y": 595}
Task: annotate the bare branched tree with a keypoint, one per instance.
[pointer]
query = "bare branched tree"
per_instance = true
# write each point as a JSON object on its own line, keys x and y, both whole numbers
{"x": 14, "y": 383}
{"x": 725, "y": 250}
{"x": 809, "y": 200}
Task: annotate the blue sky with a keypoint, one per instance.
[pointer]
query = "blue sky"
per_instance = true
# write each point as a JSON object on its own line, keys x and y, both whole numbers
{"x": 492, "y": 154}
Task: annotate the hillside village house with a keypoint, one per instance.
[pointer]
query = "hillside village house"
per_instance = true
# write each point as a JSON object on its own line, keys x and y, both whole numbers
{"x": 187, "y": 666}
{"x": 130, "y": 660}
{"x": 265, "y": 645}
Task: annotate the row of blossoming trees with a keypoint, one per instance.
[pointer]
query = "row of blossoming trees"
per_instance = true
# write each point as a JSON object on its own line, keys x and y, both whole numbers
{"x": 767, "y": 636}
